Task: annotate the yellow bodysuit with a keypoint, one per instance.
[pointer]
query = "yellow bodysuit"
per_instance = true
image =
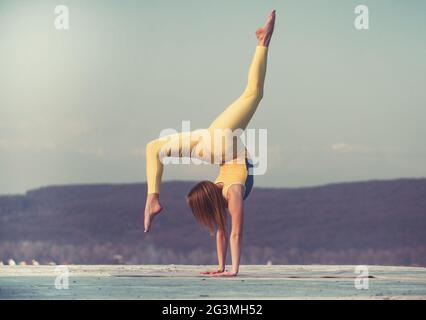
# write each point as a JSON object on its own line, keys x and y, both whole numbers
{"x": 209, "y": 145}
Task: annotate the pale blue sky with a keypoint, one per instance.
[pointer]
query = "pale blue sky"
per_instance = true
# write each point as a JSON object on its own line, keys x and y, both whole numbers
{"x": 340, "y": 104}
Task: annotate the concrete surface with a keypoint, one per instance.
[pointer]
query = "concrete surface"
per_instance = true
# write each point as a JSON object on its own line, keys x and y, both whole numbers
{"x": 184, "y": 282}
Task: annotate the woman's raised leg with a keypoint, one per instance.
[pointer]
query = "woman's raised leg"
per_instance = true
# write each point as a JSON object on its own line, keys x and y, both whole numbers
{"x": 239, "y": 113}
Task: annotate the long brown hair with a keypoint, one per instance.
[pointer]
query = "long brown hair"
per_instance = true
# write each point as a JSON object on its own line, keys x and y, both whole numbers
{"x": 208, "y": 205}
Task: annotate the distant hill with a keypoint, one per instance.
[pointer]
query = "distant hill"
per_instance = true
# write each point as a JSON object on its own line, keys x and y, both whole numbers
{"x": 372, "y": 222}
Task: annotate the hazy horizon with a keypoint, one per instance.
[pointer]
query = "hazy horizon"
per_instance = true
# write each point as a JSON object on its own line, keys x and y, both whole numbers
{"x": 326, "y": 184}
{"x": 340, "y": 105}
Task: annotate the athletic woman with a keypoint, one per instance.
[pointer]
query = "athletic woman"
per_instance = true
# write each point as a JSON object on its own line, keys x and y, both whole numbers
{"x": 211, "y": 202}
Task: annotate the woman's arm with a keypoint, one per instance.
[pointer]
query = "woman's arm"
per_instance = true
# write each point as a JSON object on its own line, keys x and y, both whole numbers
{"x": 222, "y": 248}
{"x": 236, "y": 210}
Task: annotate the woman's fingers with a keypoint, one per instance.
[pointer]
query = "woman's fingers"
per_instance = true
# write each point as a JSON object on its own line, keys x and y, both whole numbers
{"x": 206, "y": 272}
{"x": 211, "y": 272}
{"x": 225, "y": 274}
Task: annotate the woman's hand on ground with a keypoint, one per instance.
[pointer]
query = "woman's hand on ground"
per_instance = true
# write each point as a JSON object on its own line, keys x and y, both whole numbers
{"x": 211, "y": 272}
{"x": 225, "y": 274}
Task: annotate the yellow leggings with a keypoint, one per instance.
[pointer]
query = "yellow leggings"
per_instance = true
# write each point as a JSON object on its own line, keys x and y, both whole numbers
{"x": 236, "y": 116}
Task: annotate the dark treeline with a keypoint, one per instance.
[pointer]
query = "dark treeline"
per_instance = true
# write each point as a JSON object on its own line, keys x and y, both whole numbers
{"x": 372, "y": 222}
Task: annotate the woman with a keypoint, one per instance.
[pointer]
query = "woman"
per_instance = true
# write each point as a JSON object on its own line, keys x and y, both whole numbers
{"x": 207, "y": 200}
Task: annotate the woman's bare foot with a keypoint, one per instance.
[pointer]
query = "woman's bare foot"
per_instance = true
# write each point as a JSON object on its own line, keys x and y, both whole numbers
{"x": 264, "y": 34}
{"x": 152, "y": 208}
